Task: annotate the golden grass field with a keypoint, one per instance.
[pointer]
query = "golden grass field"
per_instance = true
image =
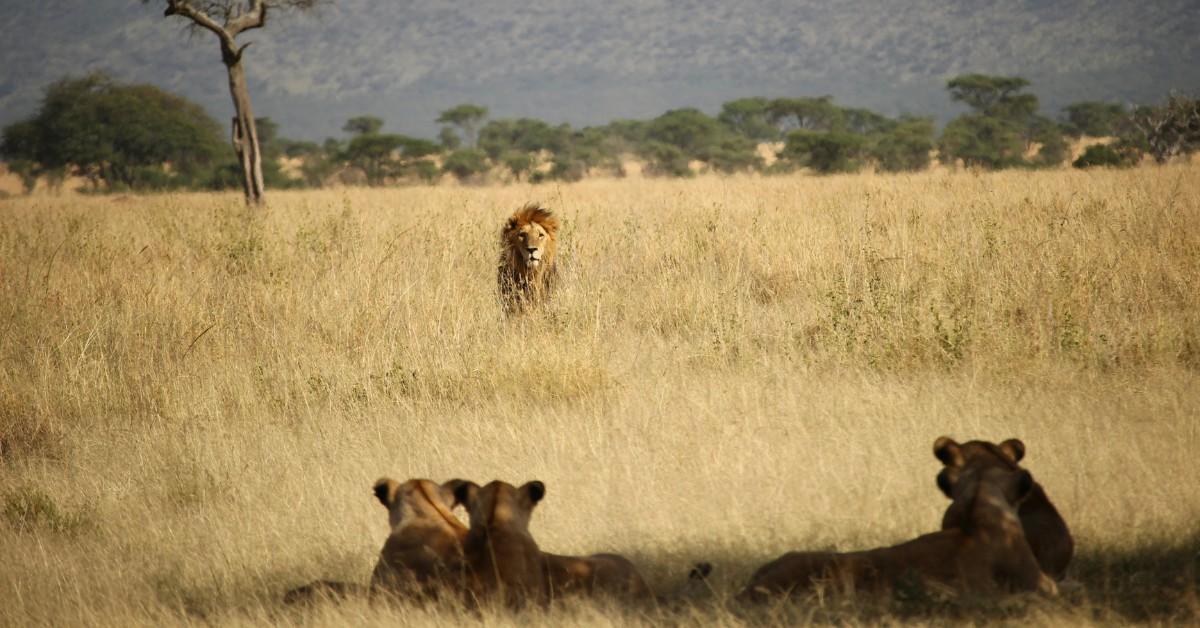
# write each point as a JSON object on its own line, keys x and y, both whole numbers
{"x": 195, "y": 398}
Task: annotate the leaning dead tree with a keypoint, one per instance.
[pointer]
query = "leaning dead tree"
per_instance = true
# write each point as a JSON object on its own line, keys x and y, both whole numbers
{"x": 227, "y": 19}
{"x": 1170, "y": 129}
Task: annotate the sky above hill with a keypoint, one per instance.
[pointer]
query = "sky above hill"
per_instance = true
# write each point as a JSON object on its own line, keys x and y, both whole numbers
{"x": 588, "y": 62}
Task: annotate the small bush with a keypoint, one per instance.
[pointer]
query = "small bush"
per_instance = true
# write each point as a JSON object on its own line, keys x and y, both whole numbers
{"x": 665, "y": 160}
{"x": 825, "y": 152}
{"x": 467, "y": 164}
{"x": 28, "y": 509}
{"x": 1103, "y": 155}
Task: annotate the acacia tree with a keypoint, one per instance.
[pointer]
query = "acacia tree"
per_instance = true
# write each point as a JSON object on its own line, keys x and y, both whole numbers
{"x": 1003, "y": 127}
{"x": 466, "y": 117}
{"x": 1172, "y": 128}
{"x": 236, "y": 17}
{"x": 113, "y": 133}
{"x": 750, "y": 117}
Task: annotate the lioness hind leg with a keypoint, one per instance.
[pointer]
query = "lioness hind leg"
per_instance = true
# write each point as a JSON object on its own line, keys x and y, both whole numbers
{"x": 1047, "y": 585}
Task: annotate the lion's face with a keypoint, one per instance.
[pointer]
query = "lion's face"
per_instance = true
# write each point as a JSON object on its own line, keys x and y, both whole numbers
{"x": 531, "y": 241}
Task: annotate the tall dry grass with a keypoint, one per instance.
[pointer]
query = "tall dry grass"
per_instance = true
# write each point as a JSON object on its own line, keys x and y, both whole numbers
{"x": 195, "y": 398}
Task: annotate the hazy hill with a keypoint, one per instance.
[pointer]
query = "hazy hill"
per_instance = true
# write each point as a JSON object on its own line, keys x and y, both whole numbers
{"x": 587, "y": 62}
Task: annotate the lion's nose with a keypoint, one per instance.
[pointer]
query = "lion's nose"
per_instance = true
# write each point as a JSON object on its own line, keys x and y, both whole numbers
{"x": 531, "y": 249}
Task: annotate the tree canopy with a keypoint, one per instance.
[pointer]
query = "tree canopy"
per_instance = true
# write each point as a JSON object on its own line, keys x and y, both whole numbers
{"x": 1097, "y": 119}
{"x": 750, "y": 117}
{"x": 466, "y": 117}
{"x": 124, "y": 135}
{"x": 1003, "y": 126}
{"x": 982, "y": 92}
{"x": 384, "y": 156}
{"x": 363, "y": 125}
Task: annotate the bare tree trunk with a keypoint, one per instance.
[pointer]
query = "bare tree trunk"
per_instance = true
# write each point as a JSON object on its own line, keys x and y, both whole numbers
{"x": 239, "y": 16}
{"x": 245, "y": 132}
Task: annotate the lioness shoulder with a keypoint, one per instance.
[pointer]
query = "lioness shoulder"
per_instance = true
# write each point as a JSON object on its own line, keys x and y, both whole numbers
{"x": 503, "y": 561}
{"x": 423, "y": 552}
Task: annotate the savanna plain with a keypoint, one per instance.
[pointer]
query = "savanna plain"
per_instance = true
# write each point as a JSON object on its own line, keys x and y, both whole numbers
{"x": 195, "y": 397}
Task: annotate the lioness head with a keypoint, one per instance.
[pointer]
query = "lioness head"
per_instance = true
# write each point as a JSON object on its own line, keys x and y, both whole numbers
{"x": 499, "y": 504}
{"x": 970, "y": 464}
{"x": 418, "y": 499}
{"x": 976, "y": 453}
{"x": 1007, "y": 488}
{"x": 1045, "y": 528}
{"x": 529, "y": 235}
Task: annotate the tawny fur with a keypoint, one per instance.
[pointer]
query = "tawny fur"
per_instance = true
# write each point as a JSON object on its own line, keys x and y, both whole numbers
{"x": 504, "y": 563}
{"x": 423, "y": 554}
{"x": 528, "y": 247}
{"x": 607, "y": 575}
{"x": 1044, "y": 527}
{"x": 989, "y": 555}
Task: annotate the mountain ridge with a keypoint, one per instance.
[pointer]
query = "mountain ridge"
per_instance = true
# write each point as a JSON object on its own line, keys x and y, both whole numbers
{"x": 588, "y": 63}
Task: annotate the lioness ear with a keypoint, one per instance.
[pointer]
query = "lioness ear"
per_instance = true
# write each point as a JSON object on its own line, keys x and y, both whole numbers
{"x": 385, "y": 491}
{"x": 535, "y": 490}
{"x": 948, "y": 451}
{"x": 946, "y": 483}
{"x": 1013, "y": 448}
{"x": 1024, "y": 484}
{"x": 464, "y": 493}
{"x": 449, "y": 492}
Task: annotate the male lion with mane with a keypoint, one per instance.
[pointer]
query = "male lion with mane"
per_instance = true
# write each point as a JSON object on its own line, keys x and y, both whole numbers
{"x": 528, "y": 244}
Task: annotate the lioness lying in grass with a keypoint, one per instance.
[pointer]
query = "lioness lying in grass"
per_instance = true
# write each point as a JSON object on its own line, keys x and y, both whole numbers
{"x": 987, "y": 554}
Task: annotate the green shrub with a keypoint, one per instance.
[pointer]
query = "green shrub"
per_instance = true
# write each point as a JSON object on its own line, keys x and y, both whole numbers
{"x": 825, "y": 152}
{"x": 466, "y": 164}
{"x": 28, "y": 509}
{"x": 1104, "y": 155}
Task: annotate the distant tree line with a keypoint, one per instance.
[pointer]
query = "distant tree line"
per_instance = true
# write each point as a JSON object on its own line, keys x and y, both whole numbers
{"x": 138, "y": 137}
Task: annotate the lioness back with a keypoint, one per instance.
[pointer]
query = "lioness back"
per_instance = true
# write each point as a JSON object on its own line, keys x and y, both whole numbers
{"x": 989, "y": 554}
{"x": 503, "y": 561}
{"x": 1045, "y": 529}
{"x": 609, "y": 575}
{"x": 423, "y": 554}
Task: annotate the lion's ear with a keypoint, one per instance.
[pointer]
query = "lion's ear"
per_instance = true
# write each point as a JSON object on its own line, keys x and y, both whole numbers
{"x": 449, "y": 492}
{"x": 945, "y": 483}
{"x": 465, "y": 492}
{"x": 1024, "y": 484}
{"x": 510, "y": 225}
{"x": 385, "y": 491}
{"x": 948, "y": 451}
{"x": 1013, "y": 448}
{"x": 535, "y": 490}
